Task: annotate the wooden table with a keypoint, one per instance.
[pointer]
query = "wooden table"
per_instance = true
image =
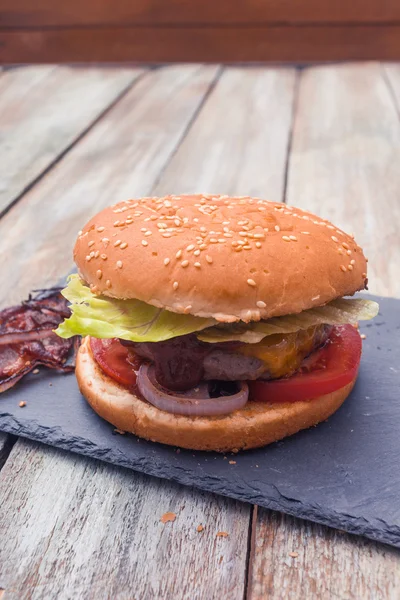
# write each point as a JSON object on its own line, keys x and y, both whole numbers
{"x": 324, "y": 138}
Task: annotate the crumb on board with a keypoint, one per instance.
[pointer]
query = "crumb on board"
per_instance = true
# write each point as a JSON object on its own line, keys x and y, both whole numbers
{"x": 50, "y": 384}
{"x": 363, "y": 336}
{"x": 116, "y": 430}
{"x": 35, "y": 371}
{"x": 221, "y": 558}
{"x": 293, "y": 554}
{"x": 222, "y": 534}
{"x": 22, "y": 404}
{"x": 178, "y": 450}
{"x": 199, "y": 528}
{"x": 225, "y": 458}
{"x": 168, "y": 517}
{"x": 232, "y": 462}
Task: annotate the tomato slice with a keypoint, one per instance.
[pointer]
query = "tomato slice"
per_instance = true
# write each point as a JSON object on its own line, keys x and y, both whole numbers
{"x": 328, "y": 370}
{"x": 116, "y": 360}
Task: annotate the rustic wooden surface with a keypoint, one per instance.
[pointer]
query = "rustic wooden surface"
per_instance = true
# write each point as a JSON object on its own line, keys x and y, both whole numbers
{"x": 39, "y": 119}
{"x": 301, "y": 43}
{"x": 325, "y": 138}
{"x": 19, "y": 13}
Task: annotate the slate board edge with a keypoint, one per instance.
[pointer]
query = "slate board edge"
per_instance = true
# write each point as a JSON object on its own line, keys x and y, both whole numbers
{"x": 315, "y": 513}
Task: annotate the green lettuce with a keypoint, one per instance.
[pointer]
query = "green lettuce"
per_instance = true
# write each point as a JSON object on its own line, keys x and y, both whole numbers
{"x": 337, "y": 312}
{"x": 103, "y": 317}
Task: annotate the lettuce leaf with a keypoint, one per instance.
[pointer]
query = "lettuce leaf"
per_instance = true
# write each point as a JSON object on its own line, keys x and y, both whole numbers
{"x": 133, "y": 320}
{"x": 337, "y": 312}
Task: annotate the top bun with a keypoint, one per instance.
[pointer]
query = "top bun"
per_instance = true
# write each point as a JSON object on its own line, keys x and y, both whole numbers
{"x": 215, "y": 256}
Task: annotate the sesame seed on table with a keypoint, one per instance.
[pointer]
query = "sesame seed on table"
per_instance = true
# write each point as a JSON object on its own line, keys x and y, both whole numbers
{"x": 89, "y": 524}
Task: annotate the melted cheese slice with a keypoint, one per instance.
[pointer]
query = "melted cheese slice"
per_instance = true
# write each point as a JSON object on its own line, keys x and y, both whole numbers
{"x": 283, "y": 354}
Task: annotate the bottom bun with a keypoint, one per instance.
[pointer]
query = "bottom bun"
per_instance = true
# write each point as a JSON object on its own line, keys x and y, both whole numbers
{"x": 255, "y": 425}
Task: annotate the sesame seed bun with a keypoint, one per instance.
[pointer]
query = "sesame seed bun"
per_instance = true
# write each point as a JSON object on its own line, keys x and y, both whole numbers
{"x": 216, "y": 256}
{"x": 255, "y": 425}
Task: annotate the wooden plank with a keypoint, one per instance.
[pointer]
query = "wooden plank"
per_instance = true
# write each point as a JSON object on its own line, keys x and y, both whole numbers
{"x": 43, "y": 110}
{"x": 239, "y": 142}
{"x": 295, "y": 557}
{"x": 344, "y": 161}
{"x": 121, "y": 157}
{"x": 277, "y": 43}
{"x": 20, "y": 13}
{"x": 343, "y": 166}
{"x": 74, "y": 528}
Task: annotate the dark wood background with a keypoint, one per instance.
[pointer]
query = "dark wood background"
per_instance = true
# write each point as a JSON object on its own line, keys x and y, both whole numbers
{"x": 198, "y": 30}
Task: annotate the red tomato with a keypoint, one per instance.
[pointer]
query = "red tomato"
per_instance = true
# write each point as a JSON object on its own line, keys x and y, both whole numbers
{"x": 330, "y": 369}
{"x": 115, "y": 360}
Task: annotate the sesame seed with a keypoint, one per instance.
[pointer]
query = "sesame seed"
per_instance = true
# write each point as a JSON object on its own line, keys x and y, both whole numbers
{"x": 305, "y": 232}
{"x": 259, "y": 236}
{"x": 190, "y": 247}
{"x": 124, "y": 245}
{"x": 178, "y": 254}
{"x": 203, "y": 246}
{"x": 187, "y": 309}
{"x": 108, "y": 283}
{"x": 184, "y": 263}
{"x": 119, "y": 264}
{"x": 99, "y": 274}
{"x": 148, "y": 233}
{"x": 286, "y": 238}
{"x": 166, "y": 261}
{"x": 353, "y": 262}
{"x": 196, "y": 252}
{"x": 91, "y": 243}
{"x": 197, "y": 265}
{"x": 209, "y": 259}
{"x": 261, "y": 304}
{"x": 350, "y": 267}
{"x": 343, "y": 268}
{"x": 330, "y": 227}
{"x": 100, "y": 229}
{"x": 348, "y": 252}
{"x": 92, "y": 254}
{"x": 277, "y": 228}
{"x": 258, "y": 245}
{"x": 293, "y": 238}
{"x": 116, "y": 223}
{"x": 213, "y": 241}
{"x": 105, "y": 240}
{"x": 117, "y": 243}
{"x": 364, "y": 275}
{"x": 96, "y": 254}
{"x": 88, "y": 258}
{"x": 251, "y": 282}
{"x": 175, "y": 285}
{"x": 346, "y": 246}
{"x": 103, "y": 256}
{"x": 144, "y": 243}
{"x": 363, "y": 336}
{"x": 334, "y": 238}
{"x": 221, "y": 241}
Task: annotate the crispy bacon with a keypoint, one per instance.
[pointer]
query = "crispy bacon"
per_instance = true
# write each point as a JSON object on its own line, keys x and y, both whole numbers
{"x": 27, "y": 338}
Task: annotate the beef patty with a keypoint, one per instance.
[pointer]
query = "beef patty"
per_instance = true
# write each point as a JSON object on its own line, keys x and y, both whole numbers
{"x": 182, "y": 362}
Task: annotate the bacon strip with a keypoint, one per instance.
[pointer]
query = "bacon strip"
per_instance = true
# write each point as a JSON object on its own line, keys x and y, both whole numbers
{"x": 27, "y": 338}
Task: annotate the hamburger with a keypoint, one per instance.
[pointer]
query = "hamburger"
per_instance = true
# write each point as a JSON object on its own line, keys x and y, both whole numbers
{"x": 213, "y": 322}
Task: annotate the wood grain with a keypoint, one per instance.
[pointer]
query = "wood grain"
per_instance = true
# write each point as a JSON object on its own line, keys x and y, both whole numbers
{"x": 345, "y": 158}
{"x": 238, "y": 144}
{"x": 76, "y": 528}
{"x": 4, "y": 439}
{"x": 20, "y": 13}
{"x": 253, "y": 43}
{"x": 324, "y": 564}
{"x": 392, "y": 74}
{"x": 43, "y": 110}
{"x": 120, "y": 158}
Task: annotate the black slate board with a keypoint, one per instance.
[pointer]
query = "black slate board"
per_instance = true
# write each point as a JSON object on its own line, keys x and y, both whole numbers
{"x": 345, "y": 473}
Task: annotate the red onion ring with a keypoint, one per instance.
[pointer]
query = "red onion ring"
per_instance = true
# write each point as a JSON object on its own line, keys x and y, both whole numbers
{"x": 193, "y": 403}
